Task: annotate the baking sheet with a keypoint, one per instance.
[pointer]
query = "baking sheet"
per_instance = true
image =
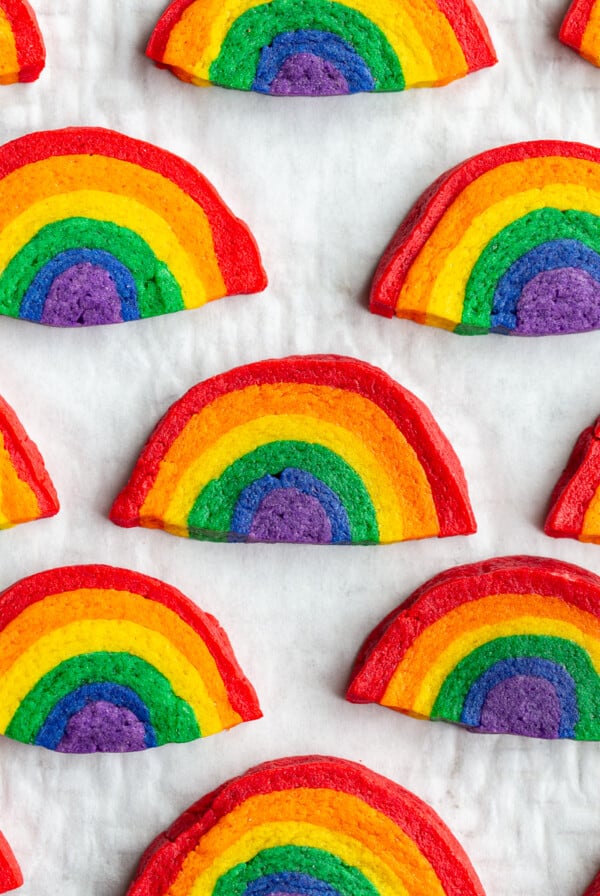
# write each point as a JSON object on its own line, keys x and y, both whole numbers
{"x": 323, "y": 184}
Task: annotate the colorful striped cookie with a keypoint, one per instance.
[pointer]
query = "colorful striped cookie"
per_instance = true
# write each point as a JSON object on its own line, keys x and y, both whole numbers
{"x": 508, "y": 242}
{"x": 98, "y": 228}
{"x": 98, "y": 659}
{"x": 314, "y": 449}
{"x": 307, "y": 826}
{"x": 22, "y": 51}
{"x": 26, "y": 491}
{"x": 321, "y": 47}
{"x": 10, "y": 873}
{"x": 594, "y": 887}
{"x": 575, "y": 502}
{"x": 581, "y": 29}
{"x": 511, "y": 645}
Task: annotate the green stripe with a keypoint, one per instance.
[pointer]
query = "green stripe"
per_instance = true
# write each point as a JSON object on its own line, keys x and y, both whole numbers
{"x": 213, "y": 509}
{"x": 451, "y": 698}
{"x": 172, "y": 718}
{"x": 158, "y": 291}
{"x": 237, "y": 63}
{"x": 508, "y": 246}
{"x": 317, "y": 863}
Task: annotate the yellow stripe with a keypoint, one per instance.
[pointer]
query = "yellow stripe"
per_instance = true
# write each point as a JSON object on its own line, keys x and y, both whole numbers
{"x": 9, "y": 63}
{"x": 86, "y": 604}
{"x": 117, "y": 636}
{"x": 590, "y": 42}
{"x": 418, "y": 32}
{"x": 447, "y": 296}
{"x": 401, "y": 513}
{"x": 334, "y": 821}
{"x": 18, "y": 503}
{"x": 418, "y": 678}
{"x": 118, "y": 210}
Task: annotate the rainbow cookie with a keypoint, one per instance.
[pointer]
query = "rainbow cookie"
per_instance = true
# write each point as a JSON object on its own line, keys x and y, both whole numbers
{"x": 320, "y": 449}
{"x": 26, "y": 491}
{"x": 511, "y": 645}
{"x": 575, "y": 502}
{"x": 307, "y": 826}
{"x": 22, "y": 51}
{"x": 581, "y": 29}
{"x": 508, "y": 242}
{"x": 594, "y": 887}
{"x": 10, "y": 873}
{"x": 98, "y": 659}
{"x": 321, "y": 47}
{"x": 98, "y": 228}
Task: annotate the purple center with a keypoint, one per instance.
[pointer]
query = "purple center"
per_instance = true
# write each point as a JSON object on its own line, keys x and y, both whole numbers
{"x": 305, "y": 74}
{"x": 82, "y": 296}
{"x": 287, "y": 514}
{"x": 565, "y": 300}
{"x": 101, "y": 727}
{"x": 522, "y": 705}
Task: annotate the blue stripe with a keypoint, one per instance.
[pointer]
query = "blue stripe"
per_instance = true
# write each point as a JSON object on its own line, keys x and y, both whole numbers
{"x": 253, "y": 495}
{"x": 327, "y": 46}
{"x": 549, "y": 256}
{"x": 292, "y": 883}
{"x": 32, "y": 306}
{"x": 53, "y": 729}
{"x": 555, "y": 673}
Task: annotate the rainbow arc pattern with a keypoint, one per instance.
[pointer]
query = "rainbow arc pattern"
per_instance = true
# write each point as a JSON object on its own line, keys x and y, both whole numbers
{"x": 507, "y": 242}
{"x": 99, "y": 659}
{"x": 307, "y": 825}
{"x": 321, "y": 47}
{"x": 511, "y": 645}
{"x": 319, "y": 449}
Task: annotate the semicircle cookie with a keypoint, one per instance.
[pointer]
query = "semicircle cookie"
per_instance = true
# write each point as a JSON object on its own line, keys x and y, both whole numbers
{"x": 507, "y": 242}
{"x": 317, "y": 449}
{"x": 307, "y": 826}
{"x": 99, "y": 228}
{"x": 575, "y": 502}
{"x": 22, "y": 51}
{"x": 510, "y": 645}
{"x": 581, "y": 29}
{"x": 100, "y": 659}
{"x": 26, "y": 490}
{"x": 321, "y": 47}
{"x": 10, "y": 872}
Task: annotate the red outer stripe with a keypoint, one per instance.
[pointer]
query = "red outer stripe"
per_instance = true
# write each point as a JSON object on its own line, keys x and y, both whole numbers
{"x": 235, "y": 248}
{"x": 160, "y": 36}
{"x": 575, "y": 22}
{"x": 471, "y": 32}
{"x": 425, "y": 215}
{"x": 387, "y": 644}
{"x": 164, "y": 858}
{"x": 31, "y": 53}
{"x": 407, "y": 412}
{"x": 27, "y": 461}
{"x": 594, "y": 887}
{"x": 35, "y": 588}
{"x": 576, "y": 487}
{"x": 10, "y": 873}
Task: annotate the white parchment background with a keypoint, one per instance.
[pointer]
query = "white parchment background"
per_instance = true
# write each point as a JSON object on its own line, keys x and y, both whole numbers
{"x": 323, "y": 184}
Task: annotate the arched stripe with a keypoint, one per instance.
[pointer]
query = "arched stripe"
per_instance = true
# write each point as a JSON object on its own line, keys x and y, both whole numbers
{"x": 53, "y": 729}
{"x": 171, "y": 717}
{"x": 532, "y": 667}
{"x": 214, "y": 507}
{"x": 32, "y": 305}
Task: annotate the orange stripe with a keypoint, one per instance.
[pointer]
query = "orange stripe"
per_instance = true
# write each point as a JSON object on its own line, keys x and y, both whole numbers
{"x": 341, "y": 813}
{"x": 37, "y": 181}
{"x": 18, "y": 503}
{"x": 346, "y": 409}
{"x": 425, "y": 653}
{"x": 487, "y": 190}
{"x": 58, "y": 610}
